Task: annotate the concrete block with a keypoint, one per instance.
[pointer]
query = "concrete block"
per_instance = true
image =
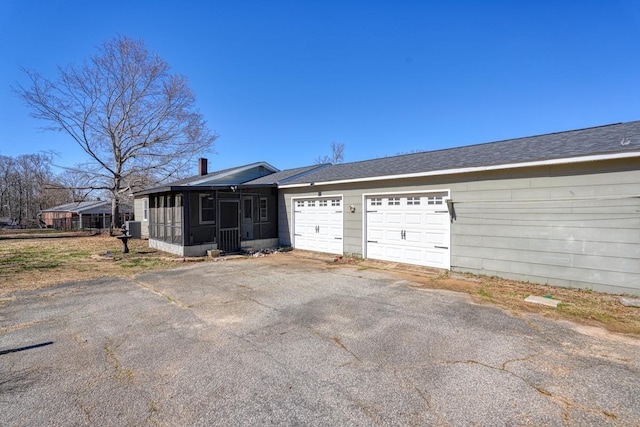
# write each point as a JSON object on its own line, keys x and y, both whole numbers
{"x": 542, "y": 300}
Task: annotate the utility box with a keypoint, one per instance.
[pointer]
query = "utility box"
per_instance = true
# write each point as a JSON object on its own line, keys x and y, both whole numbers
{"x": 134, "y": 229}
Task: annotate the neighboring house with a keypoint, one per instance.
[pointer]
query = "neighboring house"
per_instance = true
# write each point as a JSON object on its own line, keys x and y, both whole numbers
{"x": 560, "y": 209}
{"x": 6, "y": 222}
{"x": 83, "y": 215}
{"x": 227, "y": 210}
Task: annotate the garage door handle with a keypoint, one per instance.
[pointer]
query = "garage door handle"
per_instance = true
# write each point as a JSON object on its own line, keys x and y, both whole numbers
{"x": 442, "y": 211}
{"x": 372, "y": 241}
{"x": 297, "y": 234}
{"x": 338, "y": 238}
{"x": 441, "y": 247}
{"x": 371, "y": 211}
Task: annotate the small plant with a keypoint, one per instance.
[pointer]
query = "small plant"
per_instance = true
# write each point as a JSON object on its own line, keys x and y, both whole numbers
{"x": 484, "y": 293}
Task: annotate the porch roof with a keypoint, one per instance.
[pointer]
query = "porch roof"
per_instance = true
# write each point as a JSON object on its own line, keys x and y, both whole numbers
{"x": 233, "y": 179}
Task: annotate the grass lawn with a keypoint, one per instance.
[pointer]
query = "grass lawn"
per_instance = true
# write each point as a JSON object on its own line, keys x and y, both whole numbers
{"x": 30, "y": 263}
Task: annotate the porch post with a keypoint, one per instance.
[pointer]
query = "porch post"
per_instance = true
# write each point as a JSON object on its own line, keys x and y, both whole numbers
{"x": 186, "y": 218}
{"x": 217, "y": 204}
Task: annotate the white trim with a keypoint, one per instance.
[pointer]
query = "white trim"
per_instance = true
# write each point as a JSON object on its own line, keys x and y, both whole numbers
{"x": 234, "y": 171}
{"x": 444, "y": 190}
{"x": 473, "y": 169}
{"x": 145, "y": 209}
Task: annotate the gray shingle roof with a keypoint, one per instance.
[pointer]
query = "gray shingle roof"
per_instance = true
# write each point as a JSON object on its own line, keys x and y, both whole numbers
{"x": 191, "y": 179}
{"x": 92, "y": 206}
{"x": 606, "y": 139}
{"x": 284, "y": 175}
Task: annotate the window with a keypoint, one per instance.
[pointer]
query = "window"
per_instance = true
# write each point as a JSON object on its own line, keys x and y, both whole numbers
{"x": 413, "y": 201}
{"x": 393, "y": 201}
{"x": 323, "y": 203}
{"x": 247, "y": 210}
{"x": 336, "y": 202}
{"x": 311, "y": 203}
{"x": 376, "y": 201}
{"x": 300, "y": 204}
{"x": 145, "y": 209}
{"x": 434, "y": 200}
{"x": 207, "y": 209}
{"x": 264, "y": 214}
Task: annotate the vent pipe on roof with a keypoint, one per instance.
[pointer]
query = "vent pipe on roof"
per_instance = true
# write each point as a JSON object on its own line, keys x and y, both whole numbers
{"x": 202, "y": 166}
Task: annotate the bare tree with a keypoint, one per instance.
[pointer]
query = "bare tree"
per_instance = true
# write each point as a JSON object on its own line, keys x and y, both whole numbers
{"x": 25, "y": 187}
{"x": 127, "y": 112}
{"x": 337, "y": 154}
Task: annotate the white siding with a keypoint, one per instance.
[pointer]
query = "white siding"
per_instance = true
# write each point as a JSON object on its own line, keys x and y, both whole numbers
{"x": 138, "y": 206}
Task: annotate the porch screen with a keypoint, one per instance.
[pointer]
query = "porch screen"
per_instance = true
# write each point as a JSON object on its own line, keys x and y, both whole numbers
{"x": 165, "y": 222}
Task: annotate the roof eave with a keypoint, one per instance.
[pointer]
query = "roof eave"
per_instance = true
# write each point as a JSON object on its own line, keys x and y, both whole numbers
{"x": 180, "y": 188}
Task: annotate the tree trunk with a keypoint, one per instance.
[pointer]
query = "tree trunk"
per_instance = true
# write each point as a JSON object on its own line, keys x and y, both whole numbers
{"x": 115, "y": 214}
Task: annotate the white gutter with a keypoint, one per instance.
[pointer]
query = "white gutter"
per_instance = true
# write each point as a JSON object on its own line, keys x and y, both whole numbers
{"x": 570, "y": 160}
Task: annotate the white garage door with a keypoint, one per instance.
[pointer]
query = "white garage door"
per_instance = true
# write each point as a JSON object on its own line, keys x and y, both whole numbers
{"x": 409, "y": 228}
{"x": 317, "y": 224}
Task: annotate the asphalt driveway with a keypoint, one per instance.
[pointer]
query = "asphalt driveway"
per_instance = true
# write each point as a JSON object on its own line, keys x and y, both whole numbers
{"x": 283, "y": 341}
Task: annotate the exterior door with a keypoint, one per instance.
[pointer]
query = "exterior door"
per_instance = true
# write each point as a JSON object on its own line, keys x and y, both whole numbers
{"x": 247, "y": 218}
{"x": 412, "y": 229}
{"x": 317, "y": 224}
{"x": 229, "y": 239}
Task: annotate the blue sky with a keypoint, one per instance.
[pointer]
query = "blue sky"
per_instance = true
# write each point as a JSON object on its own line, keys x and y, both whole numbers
{"x": 280, "y": 80}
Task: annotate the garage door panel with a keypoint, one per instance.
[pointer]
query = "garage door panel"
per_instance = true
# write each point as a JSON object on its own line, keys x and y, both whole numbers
{"x": 393, "y": 218}
{"x": 393, "y": 252}
{"x": 435, "y": 257}
{"x": 376, "y": 218}
{"x": 413, "y": 237}
{"x": 436, "y": 218}
{"x": 413, "y": 256}
{"x": 375, "y": 250}
{"x": 392, "y": 236}
{"x": 413, "y": 218}
{"x": 318, "y": 224}
{"x": 413, "y": 229}
{"x": 436, "y": 238}
{"x": 376, "y": 234}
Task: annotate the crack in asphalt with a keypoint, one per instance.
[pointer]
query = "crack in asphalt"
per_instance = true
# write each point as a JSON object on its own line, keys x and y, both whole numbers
{"x": 345, "y": 348}
{"x": 562, "y": 401}
{"x": 168, "y": 297}
{"x": 248, "y": 298}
